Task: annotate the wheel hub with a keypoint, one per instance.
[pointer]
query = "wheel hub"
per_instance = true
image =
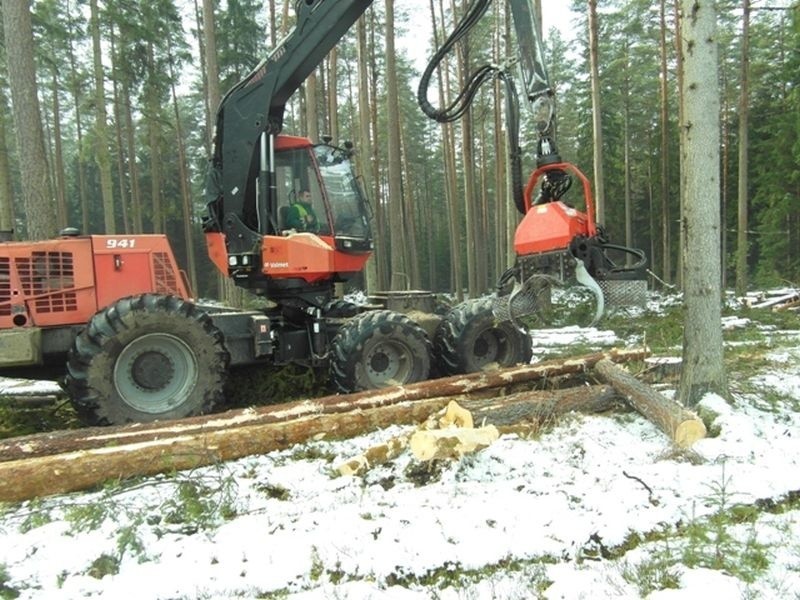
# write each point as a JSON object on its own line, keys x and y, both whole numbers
{"x": 379, "y": 362}
{"x": 152, "y": 371}
{"x": 486, "y": 348}
{"x": 155, "y": 372}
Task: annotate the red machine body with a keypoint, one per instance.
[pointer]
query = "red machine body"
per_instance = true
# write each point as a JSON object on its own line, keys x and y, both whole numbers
{"x": 65, "y": 281}
{"x": 553, "y": 225}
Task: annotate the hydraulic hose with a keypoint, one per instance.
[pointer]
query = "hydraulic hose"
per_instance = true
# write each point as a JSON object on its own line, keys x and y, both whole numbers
{"x": 461, "y": 104}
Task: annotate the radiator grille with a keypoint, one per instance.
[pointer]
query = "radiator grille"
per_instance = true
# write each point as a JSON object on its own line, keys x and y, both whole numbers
{"x": 5, "y": 287}
{"x": 49, "y": 279}
{"x": 166, "y": 283}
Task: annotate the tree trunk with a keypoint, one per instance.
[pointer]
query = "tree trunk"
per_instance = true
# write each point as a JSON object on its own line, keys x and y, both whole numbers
{"x": 75, "y": 85}
{"x": 365, "y": 146}
{"x": 449, "y": 160}
{"x": 183, "y": 175}
{"x": 682, "y": 426}
{"x": 411, "y": 249}
{"x": 333, "y": 95}
{"x": 228, "y": 292}
{"x": 626, "y": 144}
{"x": 212, "y": 69}
{"x": 468, "y": 173}
{"x": 37, "y": 201}
{"x": 6, "y": 189}
{"x": 117, "y": 102}
{"x": 399, "y": 269}
{"x": 58, "y": 158}
{"x": 744, "y": 147}
{"x": 102, "y": 156}
{"x": 381, "y": 256}
{"x": 312, "y": 112}
{"x": 154, "y": 137}
{"x": 703, "y": 368}
{"x": 666, "y": 216}
{"x": 681, "y": 194}
{"x": 501, "y": 239}
{"x": 133, "y": 168}
{"x": 597, "y": 128}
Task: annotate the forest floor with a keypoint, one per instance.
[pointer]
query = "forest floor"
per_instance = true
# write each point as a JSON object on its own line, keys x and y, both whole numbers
{"x": 592, "y": 507}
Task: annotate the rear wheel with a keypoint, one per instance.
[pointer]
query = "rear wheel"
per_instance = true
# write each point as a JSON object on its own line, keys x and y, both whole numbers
{"x": 145, "y": 358}
{"x": 377, "y": 349}
{"x": 470, "y": 339}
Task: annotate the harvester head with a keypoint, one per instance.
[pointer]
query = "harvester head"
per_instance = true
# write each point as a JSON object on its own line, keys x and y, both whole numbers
{"x": 566, "y": 271}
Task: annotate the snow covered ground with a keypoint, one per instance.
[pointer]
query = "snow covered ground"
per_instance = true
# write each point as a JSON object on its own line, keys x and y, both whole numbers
{"x": 596, "y": 507}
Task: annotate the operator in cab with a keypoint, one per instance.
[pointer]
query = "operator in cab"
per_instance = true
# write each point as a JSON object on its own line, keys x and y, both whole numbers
{"x": 301, "y": 215}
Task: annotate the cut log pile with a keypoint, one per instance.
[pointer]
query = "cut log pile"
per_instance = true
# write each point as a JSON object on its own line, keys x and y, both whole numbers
{"x": 496, "y": 402}
{"x": 789, "y": 300}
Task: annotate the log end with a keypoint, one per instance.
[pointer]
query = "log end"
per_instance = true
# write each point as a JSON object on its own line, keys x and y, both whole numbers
{"x": 451, "y": 443}
{"x": 688, "y": 432}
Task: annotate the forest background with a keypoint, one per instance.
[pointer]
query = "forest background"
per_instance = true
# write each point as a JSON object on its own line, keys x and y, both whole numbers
{"x": 127, "y": 107}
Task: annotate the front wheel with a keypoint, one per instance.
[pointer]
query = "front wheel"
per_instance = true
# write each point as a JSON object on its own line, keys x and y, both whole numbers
{"x": 470, "y": 339}
{"x": 377, "y": 349}
{"x": 144, "y": 358}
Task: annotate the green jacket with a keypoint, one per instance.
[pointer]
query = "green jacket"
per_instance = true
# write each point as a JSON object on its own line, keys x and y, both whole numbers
{"x": 301, "y": 217}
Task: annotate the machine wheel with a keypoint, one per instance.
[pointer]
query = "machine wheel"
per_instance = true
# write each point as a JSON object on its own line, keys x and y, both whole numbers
{"x": 470, "y": 338}
{"x": 144, "y": 358}
{"x": 377, "y": 349}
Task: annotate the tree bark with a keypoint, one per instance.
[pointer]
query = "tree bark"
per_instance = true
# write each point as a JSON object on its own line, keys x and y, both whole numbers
{"x": 75, "y": 85}
{"x": 703, "y": 368}
{"x": 58, "y": 157}
{"x": 6, "y": 188}
{"x": 102, "y": 156}
{"x": 312, "y": 109}
{"x": 744, "y": 147}
{"x": 133, "y": 169}
{"x": 448, "y": 387}
{"x": 666, "y": 217}
{"x": 399, "y": 272}
{"x": 682, "y": 426}
{"x": 333, "y": 95}
{"x": 118, "y": 134}
{"x": 449, "y": 160}
{"x": 597, "y": 128}
{"x": 183, "y": 175}
{"x": 365, "y": 145}
{"x": 37, "y": 198}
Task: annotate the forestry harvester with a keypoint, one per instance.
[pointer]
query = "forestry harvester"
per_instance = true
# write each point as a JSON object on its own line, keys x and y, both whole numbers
{"x": 116, "y": 309}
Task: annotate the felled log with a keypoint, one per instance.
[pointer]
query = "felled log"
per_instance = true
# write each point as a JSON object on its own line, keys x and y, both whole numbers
{"x": 141, "y": 433}
{"x": 683, "y": 426}
{"x": 83, "y": 469}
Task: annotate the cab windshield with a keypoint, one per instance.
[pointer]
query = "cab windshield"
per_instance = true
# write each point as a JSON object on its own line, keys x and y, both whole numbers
{"x": 347, "y": 205}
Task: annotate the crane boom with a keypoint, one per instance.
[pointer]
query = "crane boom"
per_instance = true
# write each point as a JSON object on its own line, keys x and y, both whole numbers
{"x": 241, "y": 177}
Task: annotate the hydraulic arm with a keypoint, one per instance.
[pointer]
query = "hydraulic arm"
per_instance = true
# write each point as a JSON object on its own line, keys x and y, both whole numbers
{"x": 241, "y": 182}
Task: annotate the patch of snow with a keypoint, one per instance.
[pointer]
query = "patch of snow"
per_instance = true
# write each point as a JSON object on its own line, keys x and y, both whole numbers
{"x": 524, "y": 518}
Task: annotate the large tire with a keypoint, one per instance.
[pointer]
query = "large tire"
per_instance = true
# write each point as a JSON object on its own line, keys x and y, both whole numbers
{"x": 378, "y": 349}
{"x": 470, "y": 338}
{"x": 145, "y": 358}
